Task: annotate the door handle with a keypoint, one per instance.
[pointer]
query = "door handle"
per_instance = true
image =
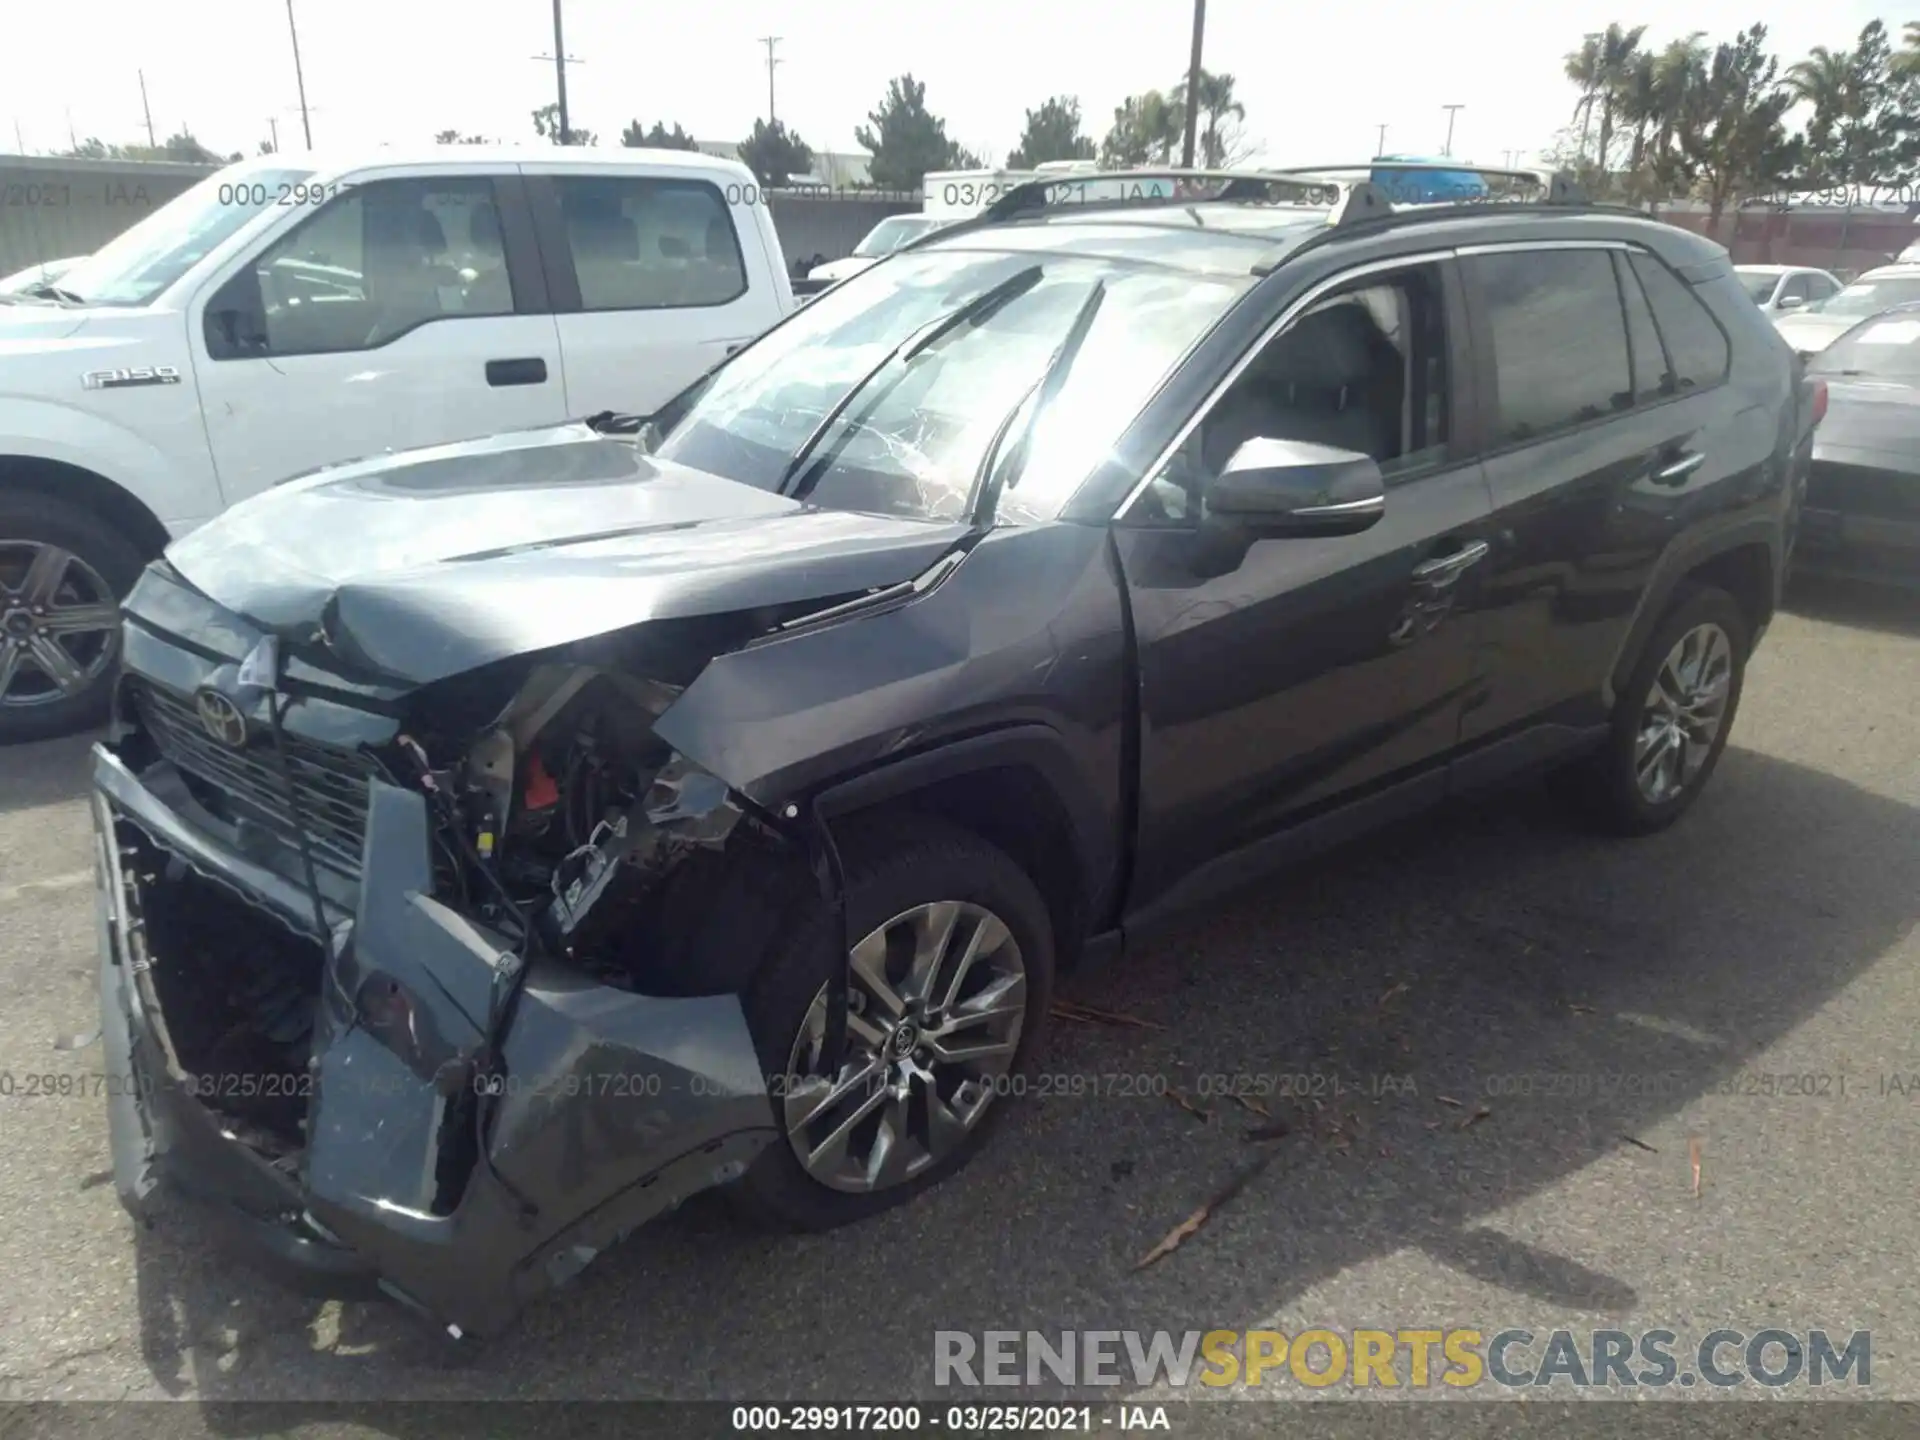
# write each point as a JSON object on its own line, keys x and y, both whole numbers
{"x": 1443, "y": 570}
{"x": 1673, "y": 471}
{"x": 531, "y": 370}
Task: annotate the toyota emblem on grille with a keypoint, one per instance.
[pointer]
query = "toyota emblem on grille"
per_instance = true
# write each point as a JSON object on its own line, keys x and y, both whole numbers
{"x": 221, "y": 718}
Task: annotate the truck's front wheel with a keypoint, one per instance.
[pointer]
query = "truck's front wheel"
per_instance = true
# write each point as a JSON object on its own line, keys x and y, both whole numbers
{"x": 62, "y": 573}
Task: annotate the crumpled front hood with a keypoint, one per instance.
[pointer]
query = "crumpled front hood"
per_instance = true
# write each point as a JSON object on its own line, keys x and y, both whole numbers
{"x": 429, "y": 563}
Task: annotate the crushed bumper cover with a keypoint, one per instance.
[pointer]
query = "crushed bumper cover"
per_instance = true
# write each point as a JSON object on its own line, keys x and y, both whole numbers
{"x": 607, "y": 1109}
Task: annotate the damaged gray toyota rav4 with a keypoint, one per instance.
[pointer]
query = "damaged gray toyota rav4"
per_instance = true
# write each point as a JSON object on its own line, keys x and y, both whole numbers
{"x": 500, "y": 843}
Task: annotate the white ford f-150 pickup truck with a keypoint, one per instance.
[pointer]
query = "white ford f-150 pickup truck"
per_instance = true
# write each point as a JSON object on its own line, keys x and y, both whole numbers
{"x": 289, "y": 313}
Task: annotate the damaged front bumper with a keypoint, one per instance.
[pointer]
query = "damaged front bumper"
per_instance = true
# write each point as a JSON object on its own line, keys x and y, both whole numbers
{"x": 603, "y": 1109}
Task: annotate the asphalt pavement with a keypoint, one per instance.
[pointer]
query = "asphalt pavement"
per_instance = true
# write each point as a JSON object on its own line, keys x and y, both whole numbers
{"x": 1650, "y": 995}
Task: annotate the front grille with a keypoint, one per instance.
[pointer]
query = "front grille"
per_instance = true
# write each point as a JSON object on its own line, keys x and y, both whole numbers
{"x": 331, "y": 783}
{"x": 1861, "y": 490}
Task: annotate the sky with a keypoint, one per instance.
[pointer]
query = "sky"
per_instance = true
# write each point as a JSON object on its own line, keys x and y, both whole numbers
{"x": 1317, "y": 79}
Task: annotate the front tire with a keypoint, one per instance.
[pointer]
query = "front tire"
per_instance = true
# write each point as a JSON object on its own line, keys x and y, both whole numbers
{"x": 63, "y": 572}
{"x": 1672, "y": 718}
{"x": 948, "y": 986}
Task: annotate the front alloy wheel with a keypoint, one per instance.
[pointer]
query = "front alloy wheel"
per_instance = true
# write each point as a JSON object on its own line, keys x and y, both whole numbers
{"x": 947, "y": 993}
{"x": 936, "y": 1000}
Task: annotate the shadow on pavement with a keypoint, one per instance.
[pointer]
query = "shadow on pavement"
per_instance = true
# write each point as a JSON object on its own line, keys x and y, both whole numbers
{"x": 1484, "y": 942}
{"x": 47, "y": 772}
{"x": 1891, "y": 609}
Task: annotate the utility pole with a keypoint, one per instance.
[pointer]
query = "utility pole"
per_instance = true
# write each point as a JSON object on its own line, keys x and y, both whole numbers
{"x": 72, "y": 139}
{"x": 152, "y": 144}
{"x": 770, "y": 41}
{"x": 1452, "y": 111}
{"x": 273, "y": 129}
{"x": 1193, "y": 83}
{"x": 299, "y": 77}
{"x": 561, "y": 60}
{"x": 1380, "y": 148}
{"x": 560, "y": 73}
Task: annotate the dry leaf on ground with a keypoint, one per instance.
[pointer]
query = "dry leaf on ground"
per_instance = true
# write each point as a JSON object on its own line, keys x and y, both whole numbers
{"x": 1480, "y": 1114}
{"x": 1190, "y": 1226}
{"x": 1087, "y": 1015}
{"x": 1180, "y": 1098}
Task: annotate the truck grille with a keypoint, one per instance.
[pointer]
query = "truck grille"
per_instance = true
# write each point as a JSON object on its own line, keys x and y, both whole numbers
{"x": 331, "y": 783}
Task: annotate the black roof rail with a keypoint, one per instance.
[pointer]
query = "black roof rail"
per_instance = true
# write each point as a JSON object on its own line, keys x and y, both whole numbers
{"x": 1352, "y": 192}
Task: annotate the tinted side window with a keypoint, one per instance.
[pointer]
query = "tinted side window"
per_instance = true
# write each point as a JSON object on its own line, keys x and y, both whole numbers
{"x": 1819, "y": 287}
{"x": 377, "y": 262}
{"x": 1559, "y": 339}
{"x": 1795, "y": 288}
{"x": 647, "y": 244}
{"x": 1364, "y": 369}
{"x": 1652, "y": 376}
{"x": 1695, "y": 342}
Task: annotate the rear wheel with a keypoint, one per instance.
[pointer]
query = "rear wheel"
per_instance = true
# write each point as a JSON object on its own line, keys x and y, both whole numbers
{"x": 1672, "y": 718}
{"x": 948, "y": 987}
{"x": 62, "y": 575}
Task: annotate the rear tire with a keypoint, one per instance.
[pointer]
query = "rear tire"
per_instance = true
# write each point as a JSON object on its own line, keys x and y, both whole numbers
{"x": 63, "y": 573}
{"x": 908, "y": 881}
{"x": 1671, "y": 721}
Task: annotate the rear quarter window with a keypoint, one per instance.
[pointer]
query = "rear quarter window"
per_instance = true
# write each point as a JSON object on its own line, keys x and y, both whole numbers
{"x": 1697, "y": 348}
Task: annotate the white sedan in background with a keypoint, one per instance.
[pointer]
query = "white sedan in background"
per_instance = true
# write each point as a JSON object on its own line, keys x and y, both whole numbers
{"x": 881, "y": 241}
{"x": 1811, "y": 329}
{"x": 1781, "y": 289}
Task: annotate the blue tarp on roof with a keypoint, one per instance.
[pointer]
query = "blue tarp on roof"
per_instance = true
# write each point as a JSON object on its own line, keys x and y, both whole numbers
{"x": 1422, "y": 187}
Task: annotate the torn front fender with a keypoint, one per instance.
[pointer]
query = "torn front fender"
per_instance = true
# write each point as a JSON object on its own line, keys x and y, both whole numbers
{"x": 605, "y": 1107}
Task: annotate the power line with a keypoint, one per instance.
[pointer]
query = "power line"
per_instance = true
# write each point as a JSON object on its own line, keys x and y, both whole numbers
{"x": 770, "y": 41}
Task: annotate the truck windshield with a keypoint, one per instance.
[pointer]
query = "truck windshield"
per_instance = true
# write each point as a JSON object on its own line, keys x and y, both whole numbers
{"x": 915, "y": 446}
{"x": 139, "y": 263}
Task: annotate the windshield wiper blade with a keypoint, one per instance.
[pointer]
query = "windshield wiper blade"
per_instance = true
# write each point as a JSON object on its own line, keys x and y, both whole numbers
{"x": 53, "y": 292}
{"x": 978, "y": 308}
{"x": 1052, "y": 380}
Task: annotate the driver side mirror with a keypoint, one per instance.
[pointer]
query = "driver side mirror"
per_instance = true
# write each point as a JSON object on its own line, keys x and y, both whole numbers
{"x": 1287, "y": 489}
{"x": 1791, "y": 302}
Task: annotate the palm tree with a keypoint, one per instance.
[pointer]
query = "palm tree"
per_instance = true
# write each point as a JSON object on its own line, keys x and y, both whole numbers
{"x": 1218, "y": 110}
{"x": 1678, "y": 83}
{"x": 1824, "y": 81}
{"x": 1906, "y": 64}
{"x": 1601, "y": 67}
{"x": 1637, "y": 102}
{"x": 1583, "y": 69}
